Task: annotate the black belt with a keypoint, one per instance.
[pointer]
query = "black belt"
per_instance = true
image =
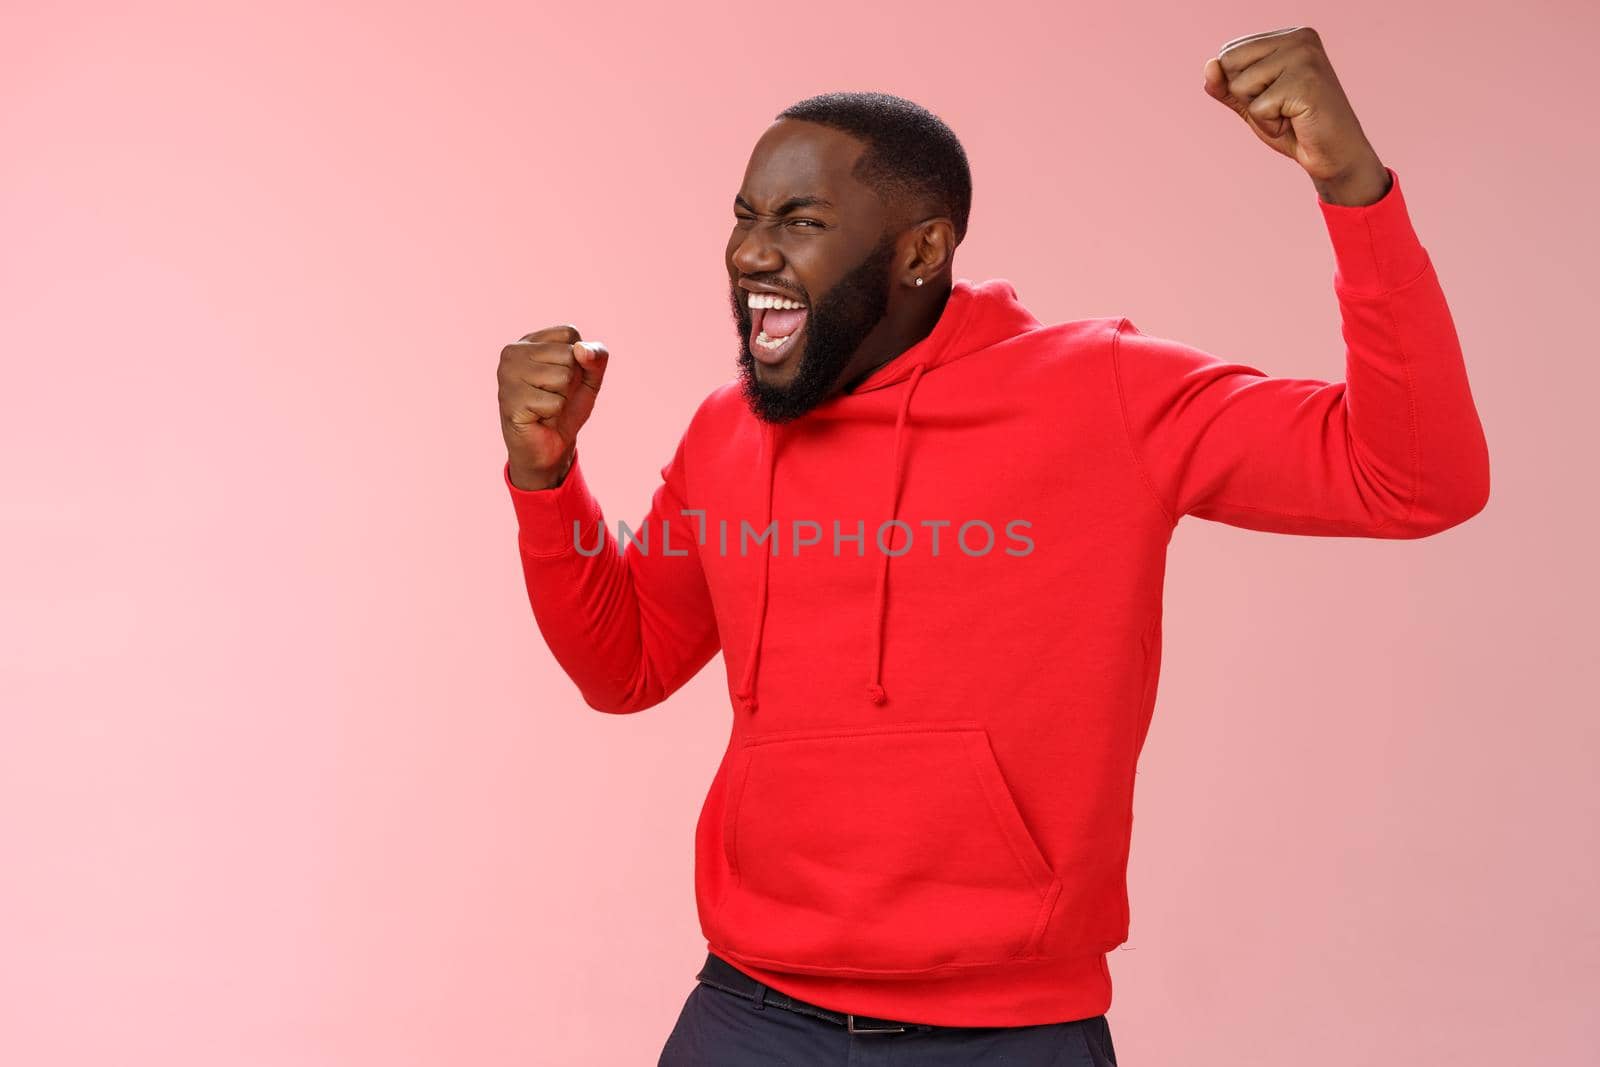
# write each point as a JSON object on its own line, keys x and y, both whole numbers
{"x": 725, "y": 976}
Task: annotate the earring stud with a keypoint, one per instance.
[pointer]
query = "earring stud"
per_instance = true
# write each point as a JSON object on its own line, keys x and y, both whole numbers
{"x": 919, "y": 281}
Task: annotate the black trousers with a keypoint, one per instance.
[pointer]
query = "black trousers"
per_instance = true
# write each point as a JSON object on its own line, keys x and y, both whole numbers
{"x": 732, "y": 1020}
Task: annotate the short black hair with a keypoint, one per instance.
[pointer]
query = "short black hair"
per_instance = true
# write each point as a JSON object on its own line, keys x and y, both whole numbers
{"x": 911, "y": 155}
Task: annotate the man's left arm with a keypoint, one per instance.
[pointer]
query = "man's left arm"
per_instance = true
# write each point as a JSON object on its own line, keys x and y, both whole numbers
{"x": 1396, "y": 449}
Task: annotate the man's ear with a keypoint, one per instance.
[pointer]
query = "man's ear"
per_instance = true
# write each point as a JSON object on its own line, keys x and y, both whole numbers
{"x": 932, "y": 244}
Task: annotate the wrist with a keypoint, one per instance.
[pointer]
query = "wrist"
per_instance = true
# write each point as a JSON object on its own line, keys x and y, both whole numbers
{"x": 1359, "y": 186}
{"x": 534, "y": 479}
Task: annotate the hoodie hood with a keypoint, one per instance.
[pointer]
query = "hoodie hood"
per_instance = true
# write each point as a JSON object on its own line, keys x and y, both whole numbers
{"x": 976, "y": 315}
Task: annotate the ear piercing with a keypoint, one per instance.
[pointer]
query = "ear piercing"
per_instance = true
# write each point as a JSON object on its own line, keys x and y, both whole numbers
{"x": 919, "y": 281}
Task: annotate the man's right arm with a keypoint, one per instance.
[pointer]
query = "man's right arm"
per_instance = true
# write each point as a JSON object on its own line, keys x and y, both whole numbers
{"x": 630, "y": 625}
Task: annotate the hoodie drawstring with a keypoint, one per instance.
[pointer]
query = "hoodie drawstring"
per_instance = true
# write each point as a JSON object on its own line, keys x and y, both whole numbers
{"x": 746, "y": 693}
{"x": 875, "y": 690}
{"x": 747, "y": 688}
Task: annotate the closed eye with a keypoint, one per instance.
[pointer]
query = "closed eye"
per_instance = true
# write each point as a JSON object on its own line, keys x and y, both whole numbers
{"x": 813, "y": 223}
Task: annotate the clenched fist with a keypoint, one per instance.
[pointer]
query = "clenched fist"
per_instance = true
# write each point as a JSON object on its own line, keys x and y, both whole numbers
{"x": 548, "y": 381}
{"x": 1282, "y": 85}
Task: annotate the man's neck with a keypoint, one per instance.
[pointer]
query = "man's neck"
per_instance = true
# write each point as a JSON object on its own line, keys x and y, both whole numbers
{"x": 920, "y": 319}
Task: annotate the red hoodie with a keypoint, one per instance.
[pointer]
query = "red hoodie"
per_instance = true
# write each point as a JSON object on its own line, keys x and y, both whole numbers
{"x": 943, "y": 657}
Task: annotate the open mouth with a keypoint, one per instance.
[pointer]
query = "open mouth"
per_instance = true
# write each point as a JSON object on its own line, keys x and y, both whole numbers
{"x": 773, "y": 331}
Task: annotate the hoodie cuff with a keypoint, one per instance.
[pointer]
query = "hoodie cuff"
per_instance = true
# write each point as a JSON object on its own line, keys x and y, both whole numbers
{"x": 1375, "y": 248}
{"x": 546, "y": 517}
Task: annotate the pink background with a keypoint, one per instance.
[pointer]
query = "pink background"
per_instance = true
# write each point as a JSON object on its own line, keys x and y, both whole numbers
{"x": 287, "y": 776}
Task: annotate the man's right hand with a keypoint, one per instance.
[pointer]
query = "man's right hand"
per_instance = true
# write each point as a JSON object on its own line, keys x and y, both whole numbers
{"x": 548, "y": 383}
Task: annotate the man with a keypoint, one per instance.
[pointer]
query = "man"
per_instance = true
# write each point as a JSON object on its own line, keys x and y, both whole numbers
{"x": 928, "y": 534}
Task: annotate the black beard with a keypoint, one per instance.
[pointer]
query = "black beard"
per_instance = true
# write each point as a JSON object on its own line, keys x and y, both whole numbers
{"x": 834, "y": 331}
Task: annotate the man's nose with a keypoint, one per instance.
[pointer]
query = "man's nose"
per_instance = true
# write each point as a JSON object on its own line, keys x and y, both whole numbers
{"x": 755, "y": 253}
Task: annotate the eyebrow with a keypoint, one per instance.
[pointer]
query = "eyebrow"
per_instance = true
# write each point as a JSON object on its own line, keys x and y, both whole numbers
{"x": 792, "y": 204}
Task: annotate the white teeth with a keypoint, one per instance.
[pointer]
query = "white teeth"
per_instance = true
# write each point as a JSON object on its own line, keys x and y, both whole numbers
{"x": 772, "y": 300}
{"x": 766, "y": 342}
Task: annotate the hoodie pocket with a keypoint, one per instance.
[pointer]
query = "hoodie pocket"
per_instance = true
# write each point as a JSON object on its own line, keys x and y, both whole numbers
{"x": 890, "y": 849}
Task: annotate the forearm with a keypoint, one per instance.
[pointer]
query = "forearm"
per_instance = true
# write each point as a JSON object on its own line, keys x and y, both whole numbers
{"x": 628, "y": 625}
{"x": 1416, "y": 442}
{"x": 587, "y": 610}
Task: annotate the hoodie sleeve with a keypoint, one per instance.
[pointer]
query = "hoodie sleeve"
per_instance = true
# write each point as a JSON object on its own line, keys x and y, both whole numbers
{"x": 629, "y": 625}
{"x": 1395, "y": 450}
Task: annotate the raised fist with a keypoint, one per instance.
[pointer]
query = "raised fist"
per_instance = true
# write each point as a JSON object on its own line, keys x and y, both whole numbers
{"x": 1282, "y": 85}
{"x": 548, "y": 383}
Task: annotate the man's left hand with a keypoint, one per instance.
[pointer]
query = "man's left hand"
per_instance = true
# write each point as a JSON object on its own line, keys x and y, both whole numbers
{"x": 1281, "y": 83}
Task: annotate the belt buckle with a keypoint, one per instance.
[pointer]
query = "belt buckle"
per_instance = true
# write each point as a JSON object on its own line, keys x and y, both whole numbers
{"x": 850, "y": 1025}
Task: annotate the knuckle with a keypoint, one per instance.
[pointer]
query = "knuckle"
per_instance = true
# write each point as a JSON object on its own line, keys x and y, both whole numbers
{"x": 554, "y": 379}
{"x": 547, "y": 401}
{"x": 542, "y": 356}
{"x": 561, "y": 332}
